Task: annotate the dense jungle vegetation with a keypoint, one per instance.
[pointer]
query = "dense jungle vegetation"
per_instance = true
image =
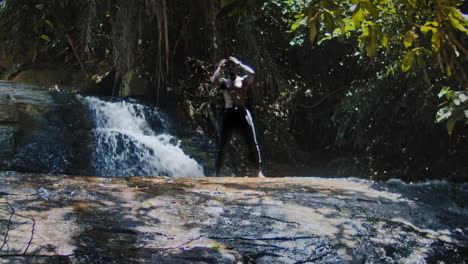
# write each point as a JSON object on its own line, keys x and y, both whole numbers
{"x": 373, "y": 88}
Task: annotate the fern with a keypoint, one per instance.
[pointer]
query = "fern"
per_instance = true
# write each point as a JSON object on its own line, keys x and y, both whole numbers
{"x": 86, "y": 25}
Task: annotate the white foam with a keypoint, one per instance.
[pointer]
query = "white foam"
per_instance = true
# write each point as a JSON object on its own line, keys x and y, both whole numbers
{"x": 126, "y": 145}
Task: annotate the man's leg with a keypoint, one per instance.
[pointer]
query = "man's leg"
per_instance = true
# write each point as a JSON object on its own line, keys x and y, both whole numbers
{"x": 248, "y": 132}
{"x": 225, "y": 135}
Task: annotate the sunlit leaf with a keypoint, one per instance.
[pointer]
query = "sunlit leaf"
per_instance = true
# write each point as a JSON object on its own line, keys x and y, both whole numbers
{"x": 448, "y": 70}
{"x": 39, "y": 6}
{"x": 45, "y": 37}
{"x": 384, "y": 41}
{"x": 365, "y": 32}
{"x": 458, "y": 21}
{"x": 409, "y": 38}
{"x": 358, "y": 16}
{"x": 49, "y": 23}
{"x": 425, "y": 29}
{"x": 299, "y": 16}
{"x": 443, "y": 114}
{"x": 408, "y": 61}
{"x": 435, "y": 40}
{"x": 295, "y": 26}
{"x": 445, "y": 90}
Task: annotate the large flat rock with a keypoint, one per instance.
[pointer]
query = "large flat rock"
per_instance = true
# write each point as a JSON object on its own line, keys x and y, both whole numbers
{"x": 64, "y": 219}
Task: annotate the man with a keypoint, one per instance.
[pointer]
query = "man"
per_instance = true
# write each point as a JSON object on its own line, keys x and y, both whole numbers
{"x": 235, "y": 115}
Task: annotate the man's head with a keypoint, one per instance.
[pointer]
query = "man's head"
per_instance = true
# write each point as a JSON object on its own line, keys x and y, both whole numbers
{"x": 230, "y": 67}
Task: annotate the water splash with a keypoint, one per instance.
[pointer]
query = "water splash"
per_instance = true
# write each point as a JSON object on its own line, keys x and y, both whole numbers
{"x": 133, "y": 140}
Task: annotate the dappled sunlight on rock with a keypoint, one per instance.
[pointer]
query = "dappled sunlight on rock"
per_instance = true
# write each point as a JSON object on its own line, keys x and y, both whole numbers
{"x": 281, "y": 220}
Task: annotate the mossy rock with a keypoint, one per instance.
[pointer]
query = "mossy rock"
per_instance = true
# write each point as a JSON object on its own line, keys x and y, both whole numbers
{"x": 61, "y": 79}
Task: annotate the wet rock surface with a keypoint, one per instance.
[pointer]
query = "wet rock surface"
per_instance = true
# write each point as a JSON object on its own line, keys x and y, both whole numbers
{"x": 42, "y": 131}
{"x": 64, "y": 219}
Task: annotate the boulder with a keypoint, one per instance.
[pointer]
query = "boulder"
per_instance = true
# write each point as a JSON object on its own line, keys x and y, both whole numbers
{"x": 42, "y": 131}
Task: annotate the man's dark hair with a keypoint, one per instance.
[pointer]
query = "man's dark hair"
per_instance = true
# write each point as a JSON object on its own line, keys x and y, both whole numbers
{"x": 229, "y": 61}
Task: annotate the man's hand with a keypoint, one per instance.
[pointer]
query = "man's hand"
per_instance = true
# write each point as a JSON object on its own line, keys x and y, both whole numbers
{"x": 235, "y": 60}
{"x": 222, "y": 64}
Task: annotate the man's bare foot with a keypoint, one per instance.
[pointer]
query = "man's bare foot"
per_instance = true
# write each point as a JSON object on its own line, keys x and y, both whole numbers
{"x": 260, "y": 175}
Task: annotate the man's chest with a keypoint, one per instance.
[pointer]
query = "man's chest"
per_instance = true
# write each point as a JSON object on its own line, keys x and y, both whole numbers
{"x": 233, "y": 84}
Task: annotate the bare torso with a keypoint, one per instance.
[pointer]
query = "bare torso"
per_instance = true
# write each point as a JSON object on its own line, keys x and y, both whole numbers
{"x": 234, "y": 92}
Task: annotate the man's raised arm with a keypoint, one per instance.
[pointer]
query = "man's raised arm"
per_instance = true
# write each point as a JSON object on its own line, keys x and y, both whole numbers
{"x": 249, "y": 72}
{"x": 216, "y": 78}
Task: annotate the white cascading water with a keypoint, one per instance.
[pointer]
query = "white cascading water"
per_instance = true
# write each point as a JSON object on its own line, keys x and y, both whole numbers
{"x": 126, "y": 144}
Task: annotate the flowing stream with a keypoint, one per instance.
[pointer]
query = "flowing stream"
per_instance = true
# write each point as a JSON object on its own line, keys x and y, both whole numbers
{"x": 134, "y": 140}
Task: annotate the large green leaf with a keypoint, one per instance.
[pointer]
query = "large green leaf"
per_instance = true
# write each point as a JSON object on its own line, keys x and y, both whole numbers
{"x": 358, "y": 15}
{"x": 425, "y": 29}
{"x": 409, "y": 38}
{"x": 408, "y": 60}
{"x": 458, "y": 20}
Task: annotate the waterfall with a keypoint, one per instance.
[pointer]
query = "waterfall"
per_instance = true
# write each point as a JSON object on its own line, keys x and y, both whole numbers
{"x": 133, "y": 140}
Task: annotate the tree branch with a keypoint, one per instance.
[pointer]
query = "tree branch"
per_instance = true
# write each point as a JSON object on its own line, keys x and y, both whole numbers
{"x": 457, "y": 43}
{"x": 32, "y": 236}
{"x": 5, "y": 238}
{"x": 70, "y": 41}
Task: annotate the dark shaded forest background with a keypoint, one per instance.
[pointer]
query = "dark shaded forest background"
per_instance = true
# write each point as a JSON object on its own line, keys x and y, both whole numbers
{"x": 358, "y": 88}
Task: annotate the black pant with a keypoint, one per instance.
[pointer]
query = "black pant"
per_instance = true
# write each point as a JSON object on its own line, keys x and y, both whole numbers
{"x": 238, "y": 119}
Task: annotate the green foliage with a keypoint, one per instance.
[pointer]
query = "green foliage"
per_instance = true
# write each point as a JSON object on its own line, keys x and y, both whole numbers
{"x": 454, "y": 109}
{"x": 413, "y": 34}
{"x": 374, "y": 118}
